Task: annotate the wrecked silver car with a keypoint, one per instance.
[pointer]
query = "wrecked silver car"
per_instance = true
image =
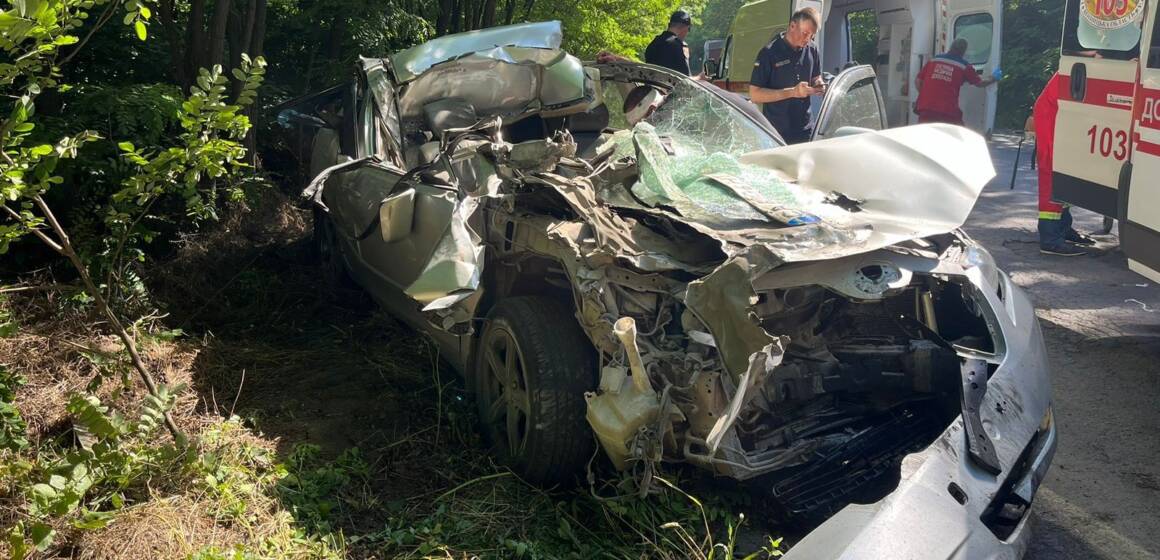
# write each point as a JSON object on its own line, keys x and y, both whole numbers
{"x": 652, "y": 271}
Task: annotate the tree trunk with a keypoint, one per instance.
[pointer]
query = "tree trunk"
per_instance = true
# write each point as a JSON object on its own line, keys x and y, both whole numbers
{"x": 456, "y": 16}
{"x": 172, "y": 33}
{"x": 510, "y": 12}
{"x": 488, "y": 14}
{"x": 217, "y": 38}
{"x": 258, "y": 37}
{"x": 334, "y": 42}
{"x": 194, "y": 40}
{"x": 443, "y": 20}
{"x": 528, "y": 5}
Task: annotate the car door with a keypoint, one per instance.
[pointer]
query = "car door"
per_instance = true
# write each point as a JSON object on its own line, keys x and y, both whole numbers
{"x": 393, "y": 223}
{"x": 979, "y": 23}
{"x": 1140, "y": 205}
{"x": 853, "y": 99}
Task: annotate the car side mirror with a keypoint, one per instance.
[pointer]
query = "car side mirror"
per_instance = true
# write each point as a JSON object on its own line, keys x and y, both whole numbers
{"x": 710, "y": 67}
{"x": 396, "y": 215}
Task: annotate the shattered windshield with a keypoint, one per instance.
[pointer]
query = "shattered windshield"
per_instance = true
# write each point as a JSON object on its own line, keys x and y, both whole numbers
{"x": 699, "y": 122}
{"x": 687, "y": 153}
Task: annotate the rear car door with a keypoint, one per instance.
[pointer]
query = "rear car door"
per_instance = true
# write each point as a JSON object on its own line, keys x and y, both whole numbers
{"x": 1140, "y": 218}
{"x": 1097, "y": 70}
{"x": 391, "y": 220}
{"x": 977, "y": 21}
{"x": 852, "y": 101}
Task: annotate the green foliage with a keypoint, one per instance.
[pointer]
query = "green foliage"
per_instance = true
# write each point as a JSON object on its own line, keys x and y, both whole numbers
{"x": 311, "y": 56}
{"x": 1031, "y": 32}
{"x": 613, "y": 25}
{"x": 313, "y": 489}
{"x": 13, "y": 436}
{"x": 863, "y": 37}
{"x": 242, "y": 478}
{"x": 712, "y": 22}
{"x": 86, "y": 485}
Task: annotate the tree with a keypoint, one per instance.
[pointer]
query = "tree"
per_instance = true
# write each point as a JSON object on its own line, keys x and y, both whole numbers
{"x": 1031, "y": 32}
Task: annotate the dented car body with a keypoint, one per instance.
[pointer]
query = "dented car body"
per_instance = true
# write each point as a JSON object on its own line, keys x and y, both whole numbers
{"x": 686, "y": 288}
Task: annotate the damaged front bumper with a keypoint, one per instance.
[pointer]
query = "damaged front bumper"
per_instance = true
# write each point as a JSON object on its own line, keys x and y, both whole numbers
{"x": 948, "y": 505}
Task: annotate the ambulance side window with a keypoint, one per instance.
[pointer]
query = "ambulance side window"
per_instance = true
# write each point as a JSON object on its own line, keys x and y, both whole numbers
{"x": 1103, "y": 28}
{"x": 977, "y": 29}
{"x": 1154, "y": 51}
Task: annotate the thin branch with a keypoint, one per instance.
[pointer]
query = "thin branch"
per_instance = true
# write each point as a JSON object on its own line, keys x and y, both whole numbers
{"x": 43, "y": 236}
{"x": 101, "y": 21}
{"x": 43, "y": 288}
{"x": 115, "y": 263}
{"x": 103, "y": 306}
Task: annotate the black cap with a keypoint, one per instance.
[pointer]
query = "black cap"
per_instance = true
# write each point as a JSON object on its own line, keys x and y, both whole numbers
{"x": 681, "y": 17}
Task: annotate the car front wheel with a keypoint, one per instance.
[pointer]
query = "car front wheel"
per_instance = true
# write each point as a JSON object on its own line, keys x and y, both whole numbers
{"x": 533, "y": 365}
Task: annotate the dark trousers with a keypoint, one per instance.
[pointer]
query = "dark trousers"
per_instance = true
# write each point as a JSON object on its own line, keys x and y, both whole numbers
{"x": 798, "y": 137}
{"x": 1053, "y": 232}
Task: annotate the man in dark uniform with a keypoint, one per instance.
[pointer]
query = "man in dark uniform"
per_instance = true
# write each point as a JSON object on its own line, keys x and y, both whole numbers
{"x": 787, "y": 72}
{"x": 669, "y": 48}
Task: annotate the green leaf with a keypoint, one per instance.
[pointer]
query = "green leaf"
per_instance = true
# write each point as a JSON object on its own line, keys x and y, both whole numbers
{"x": 42, "y": 535}
{"x": 126, "y": 146}
{"x": 23, "y": 127}
{"x": 41, "y": 150}
{"x": 145, "y": 13}
{"x": 142, "y": 32}
{"x": 18, "y": 549}
{"x": 94, "y": 520}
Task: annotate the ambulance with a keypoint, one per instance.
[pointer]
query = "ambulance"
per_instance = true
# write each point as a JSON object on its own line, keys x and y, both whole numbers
{"x": 908, "y": 33}
{"x": 1107, "y": 133}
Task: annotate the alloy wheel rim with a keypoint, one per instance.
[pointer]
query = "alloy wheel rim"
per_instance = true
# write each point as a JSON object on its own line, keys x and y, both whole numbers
{"x": 508, "y": 404}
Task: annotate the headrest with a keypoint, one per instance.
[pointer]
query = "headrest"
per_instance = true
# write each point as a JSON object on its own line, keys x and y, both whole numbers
{"x": 594, "y": 120}
{"x": 444, "y": 114}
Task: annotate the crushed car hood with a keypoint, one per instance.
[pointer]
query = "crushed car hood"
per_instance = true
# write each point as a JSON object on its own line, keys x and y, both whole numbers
{"x": 820, "y": 200}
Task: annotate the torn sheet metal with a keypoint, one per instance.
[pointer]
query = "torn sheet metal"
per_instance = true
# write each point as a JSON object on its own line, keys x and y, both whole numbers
{"x": 615, "y": 237}
{"x": 723, "y": 300}
{"x": 760, "y": 364}
{"x": 454, "y": 269}
{"x": 312, "y": 194}
{"x": 412, "y": 62}
{"x": 507, "y": 82}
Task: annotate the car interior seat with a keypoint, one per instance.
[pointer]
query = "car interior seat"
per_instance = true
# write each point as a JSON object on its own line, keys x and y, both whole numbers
{"x": 587, "y": 126}
{"x": 324, "y": 150}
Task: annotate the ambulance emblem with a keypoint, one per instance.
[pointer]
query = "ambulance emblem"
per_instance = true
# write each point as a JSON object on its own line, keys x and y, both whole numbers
{"x": 1111, "y": 14}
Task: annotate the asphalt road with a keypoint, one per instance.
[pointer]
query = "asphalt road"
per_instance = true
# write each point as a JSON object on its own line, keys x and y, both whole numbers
{"x": 1102, "y": 325}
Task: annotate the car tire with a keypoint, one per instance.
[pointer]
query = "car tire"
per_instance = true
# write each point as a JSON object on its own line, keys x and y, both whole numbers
{"x": 325, "y": 247}
{"x": 533, "y": 365}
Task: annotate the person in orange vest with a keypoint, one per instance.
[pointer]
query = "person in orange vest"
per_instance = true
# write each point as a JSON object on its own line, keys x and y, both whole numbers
{"x": 939, "y": 82}
{"x": 1056, "y": 236}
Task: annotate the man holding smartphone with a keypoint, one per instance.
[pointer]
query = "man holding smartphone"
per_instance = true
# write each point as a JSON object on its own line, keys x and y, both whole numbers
{"x": 786, "y": 73}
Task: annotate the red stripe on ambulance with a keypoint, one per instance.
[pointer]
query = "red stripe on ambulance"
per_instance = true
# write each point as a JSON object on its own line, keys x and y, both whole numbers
{"x": 1101, "y": 93}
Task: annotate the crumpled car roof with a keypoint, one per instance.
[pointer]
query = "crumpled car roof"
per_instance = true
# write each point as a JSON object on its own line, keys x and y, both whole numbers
{"x": 409, "y": 64}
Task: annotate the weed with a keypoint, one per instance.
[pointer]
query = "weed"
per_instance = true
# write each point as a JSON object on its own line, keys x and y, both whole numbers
{"x": 13, "y": 430}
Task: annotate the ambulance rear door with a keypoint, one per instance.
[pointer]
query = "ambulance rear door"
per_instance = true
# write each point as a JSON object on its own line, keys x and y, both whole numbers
{"x": 980, "y": 23}
{"x": 1140, "y": 215}
{"x": 1097, "y": 67}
